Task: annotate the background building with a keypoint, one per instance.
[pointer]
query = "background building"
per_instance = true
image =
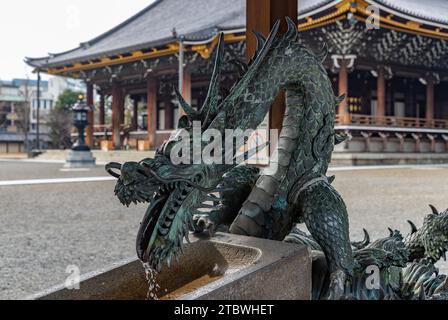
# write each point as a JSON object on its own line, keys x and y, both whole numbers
{"x": 11, "y": 100}
{"x": 389, "y": 57}
{"x": 18, "y": 111}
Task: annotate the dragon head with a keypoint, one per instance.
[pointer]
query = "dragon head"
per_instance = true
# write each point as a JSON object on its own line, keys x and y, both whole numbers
{"x": 385, "y": 252}
{"x": 175, "y": 193}
{"x": 434, "y": 234}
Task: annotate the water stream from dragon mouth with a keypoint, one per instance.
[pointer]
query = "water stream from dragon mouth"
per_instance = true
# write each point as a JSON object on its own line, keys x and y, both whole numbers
{"x": 153, "y": 286}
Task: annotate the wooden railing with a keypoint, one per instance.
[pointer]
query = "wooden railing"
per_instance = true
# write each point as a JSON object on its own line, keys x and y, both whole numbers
{"x": 400, "y": 122}
{"x": 103, "y": 129}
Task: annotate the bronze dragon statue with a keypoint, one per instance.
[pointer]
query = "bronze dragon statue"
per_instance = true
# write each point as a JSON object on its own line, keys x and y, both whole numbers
{"x": 238, "y": 198}
{"x": 406, "y": 265}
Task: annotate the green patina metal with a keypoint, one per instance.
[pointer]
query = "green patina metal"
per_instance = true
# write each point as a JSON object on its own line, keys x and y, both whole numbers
{"x": 244, "y": 200}
{"x": 406, "y": 266}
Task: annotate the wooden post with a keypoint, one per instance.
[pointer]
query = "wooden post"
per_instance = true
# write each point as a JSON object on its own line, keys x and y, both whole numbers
{"x": 135, "y": 113}
{"x": 152, "y": 111}
{"x": 102, "y": 115}
{"x": 381, "y": 96}
{"x": 122, "y": 113}
{"x": 429, "y": 101}
{"x": 169, "y": 114}
{"x": 90, "y": 116}
{"x": 261, "y": 16}
{"x": 343, "y": 90}
{"x": 186, "y": 90}
{"x": 117, "y": 106}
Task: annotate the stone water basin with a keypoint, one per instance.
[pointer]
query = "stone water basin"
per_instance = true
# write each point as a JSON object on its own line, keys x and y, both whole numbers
{"x": 225, "y": 267}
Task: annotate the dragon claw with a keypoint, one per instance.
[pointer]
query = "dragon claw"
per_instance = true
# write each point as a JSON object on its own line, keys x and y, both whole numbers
{"x": 337, "y": 285}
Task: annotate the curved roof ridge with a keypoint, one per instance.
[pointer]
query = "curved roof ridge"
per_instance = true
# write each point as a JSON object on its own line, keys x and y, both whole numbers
{"x": 201, "y": 19}
{"x": 433, "y": 12}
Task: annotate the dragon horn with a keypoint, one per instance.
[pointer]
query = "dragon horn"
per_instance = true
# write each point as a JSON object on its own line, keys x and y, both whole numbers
{"x": 391, "y": 232}
{"x": 434, "y": 210}
{"x": 366, "y": 240}
{"x": 292, "y": 32}
{"x": 413, "y": 227}
{"x": 191, "y": 113}
{"x": 261, "y": 40}
{"x": 268, "y": 43}
{"x": 211, "y": 100}
{"x": 113, "y": 165}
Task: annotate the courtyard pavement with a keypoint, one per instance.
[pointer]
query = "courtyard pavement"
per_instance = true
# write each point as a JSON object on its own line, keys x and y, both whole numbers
{"x": 48, "y": 224}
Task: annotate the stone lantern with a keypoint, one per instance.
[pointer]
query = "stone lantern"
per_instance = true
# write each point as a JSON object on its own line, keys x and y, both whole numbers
{"x": 80, "y": 155}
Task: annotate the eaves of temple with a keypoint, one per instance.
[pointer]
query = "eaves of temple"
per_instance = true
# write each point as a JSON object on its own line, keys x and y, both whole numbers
{"x": 412, "y": 33}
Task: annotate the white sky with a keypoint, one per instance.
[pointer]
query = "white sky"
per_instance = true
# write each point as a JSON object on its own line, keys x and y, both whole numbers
{"x": 33, "y": 28}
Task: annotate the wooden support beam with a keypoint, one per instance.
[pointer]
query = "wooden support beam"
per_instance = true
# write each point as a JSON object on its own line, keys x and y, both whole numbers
{"x": 117, "y": 106}
{"x": 343, "y": 90}
{"x": 429, "y": 100}
{"x": 186, "y": 90}
{"x": 122, "y": 113}
{"x": 90, "y": 116}
{"x": 169, "y": 114}
{"x": 152, "y": 111}
{"x": 381, "y": 94}
{"x": 102, "y": 115}
{"x": 261, "y": 16}
{"x": 135, "y": 113}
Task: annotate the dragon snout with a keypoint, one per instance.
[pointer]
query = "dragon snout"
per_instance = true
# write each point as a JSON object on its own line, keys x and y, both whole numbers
{"x": 125, "y": 172}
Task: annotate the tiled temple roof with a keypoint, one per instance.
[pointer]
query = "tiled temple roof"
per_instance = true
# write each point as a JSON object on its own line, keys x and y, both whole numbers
{"x": 427, "y": 10}
{"x": 199, "y": 20}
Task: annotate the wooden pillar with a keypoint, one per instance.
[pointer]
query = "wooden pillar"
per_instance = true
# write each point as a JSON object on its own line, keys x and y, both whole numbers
{"x": 186, "y": 90}
{"x": 90, "y": 116}
{"x": 343, "y": 90}
{"x": 169, "y": 114}
{"x": 117, "y": 107}
{"x": 135, "y": 113}
{"x": 152, "y": 111}
{"x": 102, "y": 115}
{"x": 381, "y": 95}
{"x": 429, "y": 101}
{"x": 122, "y": 113}
{"x": 261, "y": 16}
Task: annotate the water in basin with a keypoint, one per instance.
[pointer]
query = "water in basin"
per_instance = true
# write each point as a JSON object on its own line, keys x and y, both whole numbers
{"x": 203, "y": 263}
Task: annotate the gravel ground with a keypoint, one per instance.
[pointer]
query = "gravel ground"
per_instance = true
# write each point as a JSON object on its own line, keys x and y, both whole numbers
{"x": 45, "y": 228}
{"x": 30, "y": 170}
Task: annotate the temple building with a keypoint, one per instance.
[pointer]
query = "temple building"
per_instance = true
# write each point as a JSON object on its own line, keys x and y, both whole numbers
{"x": 389, "y": 56}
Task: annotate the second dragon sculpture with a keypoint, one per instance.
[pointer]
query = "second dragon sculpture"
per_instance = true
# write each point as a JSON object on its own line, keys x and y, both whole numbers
{"x": 293, "y": 188}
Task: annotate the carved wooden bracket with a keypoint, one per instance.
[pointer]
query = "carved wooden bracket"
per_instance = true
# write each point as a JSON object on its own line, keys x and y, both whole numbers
{"x": 417, "y": 138}
{"x": 432, "y": 138}
{"x": 384, "y": 137}
{"x": 401, "y": 137}
{"x": 367, "y": 136}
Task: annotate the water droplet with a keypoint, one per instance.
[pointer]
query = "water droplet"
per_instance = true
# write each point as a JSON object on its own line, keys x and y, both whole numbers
{"x": 153, "y": 286}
